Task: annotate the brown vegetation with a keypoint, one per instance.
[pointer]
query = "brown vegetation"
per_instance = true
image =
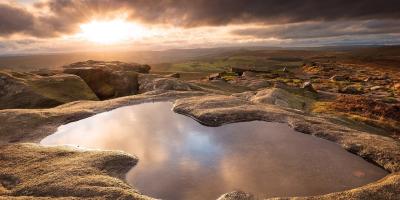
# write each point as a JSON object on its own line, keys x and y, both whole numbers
{"x": 366, "y": 107}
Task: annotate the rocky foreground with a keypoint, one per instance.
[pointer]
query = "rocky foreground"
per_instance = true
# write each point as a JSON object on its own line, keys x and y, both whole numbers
{"x": 29, "y": 170}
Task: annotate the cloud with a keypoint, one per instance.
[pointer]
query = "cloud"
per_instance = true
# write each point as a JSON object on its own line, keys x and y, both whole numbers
{"x": 221, "y": 12}
{"x": 14, "y": 19}
{"x": 305, "y": 30}
{"x": 55, "y": 17}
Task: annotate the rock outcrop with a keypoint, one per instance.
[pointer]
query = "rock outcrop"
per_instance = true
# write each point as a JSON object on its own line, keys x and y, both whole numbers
{"x": 112, "y": 65}
{"x": 250, "y": 83}
{"x": 109, "y": 79}
{"x": 34, "y": 171}
{"x": 27, "y": 90}
{"x": 150, "y": 82}
{"x": 286, "y": 96}
{"x": 237, "y": 195}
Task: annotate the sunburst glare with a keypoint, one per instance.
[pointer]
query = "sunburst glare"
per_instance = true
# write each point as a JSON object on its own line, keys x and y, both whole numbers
{"x": 111, "y": 32}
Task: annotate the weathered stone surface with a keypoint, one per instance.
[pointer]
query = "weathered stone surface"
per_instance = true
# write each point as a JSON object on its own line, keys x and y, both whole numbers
{"x": 26, "y": 90}
{"x": 32, "y": 171}
{"x": 245, "y": 95}
{"x": 149, "y": 82}
{"x": 236, "y": 195}
{"x": 111, "y": 65}
{"x": 378, "y": 190}
{"x": 257, "y": 84}
{"x": 285, "y": 96}
{"x": 108, "y": 79}
{"x": 251, "y": 83}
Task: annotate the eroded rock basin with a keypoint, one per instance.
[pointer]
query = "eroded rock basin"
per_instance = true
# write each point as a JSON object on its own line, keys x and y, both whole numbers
{"x": 182, "y": 159}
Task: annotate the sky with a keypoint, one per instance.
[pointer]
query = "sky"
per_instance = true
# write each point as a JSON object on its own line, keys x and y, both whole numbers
{"x": 37, "y": 26}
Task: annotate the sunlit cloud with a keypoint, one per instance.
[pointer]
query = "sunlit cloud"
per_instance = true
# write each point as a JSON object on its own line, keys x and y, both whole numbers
{"x": 108, "y": 32}
{"x": 154, "y": 24}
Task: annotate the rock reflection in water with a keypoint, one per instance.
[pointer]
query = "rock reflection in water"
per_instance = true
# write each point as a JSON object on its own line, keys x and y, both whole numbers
{"x": 181, "y": 159}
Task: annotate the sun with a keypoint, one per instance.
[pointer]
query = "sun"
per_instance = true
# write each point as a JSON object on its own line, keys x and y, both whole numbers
{"x": 111, "y": 32}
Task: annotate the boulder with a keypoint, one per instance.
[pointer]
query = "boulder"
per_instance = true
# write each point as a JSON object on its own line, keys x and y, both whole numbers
{"x": 109, "y": 79}
{"x": 282, "y": 97}
{"x": 237, "y": 195}
{"x": 149, "y": 82}
{"x": 110, "y": 65}
{"x": 27, "y": 90}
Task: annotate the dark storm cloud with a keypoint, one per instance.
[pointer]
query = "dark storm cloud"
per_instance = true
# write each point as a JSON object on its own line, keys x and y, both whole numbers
{"x": 322, "y": 30}
{"x": 14, "y": 19}
{"x": 66, "y": 15}
{"x": 221, "y": 12}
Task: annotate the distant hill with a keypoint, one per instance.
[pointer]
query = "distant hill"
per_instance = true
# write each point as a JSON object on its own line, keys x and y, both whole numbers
{"x": 214, "y": 59}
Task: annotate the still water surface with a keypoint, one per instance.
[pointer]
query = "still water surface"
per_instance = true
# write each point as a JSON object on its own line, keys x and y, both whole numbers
{"x": 182, "y": 159}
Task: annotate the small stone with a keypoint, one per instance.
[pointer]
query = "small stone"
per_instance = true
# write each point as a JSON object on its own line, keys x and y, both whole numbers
{"x": 396, "y": 86}
{"x": 249, "y": 74}
{"x": 214, "y": 76}
{"x": 308, "y": 86}
{"x": 352, "y": 90}
{"x": 174, "y": 75}
{"x": 367, "y": 79}
{"x": 339, "y": 78}
{"x": 376, "y": 88}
